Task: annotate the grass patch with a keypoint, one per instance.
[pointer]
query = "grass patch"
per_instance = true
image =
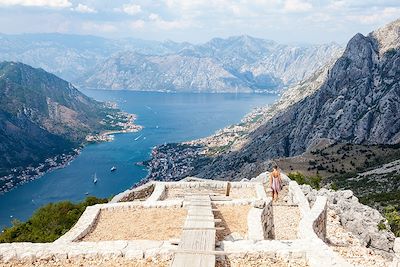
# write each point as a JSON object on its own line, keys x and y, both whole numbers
{"x": 48, "y": 223}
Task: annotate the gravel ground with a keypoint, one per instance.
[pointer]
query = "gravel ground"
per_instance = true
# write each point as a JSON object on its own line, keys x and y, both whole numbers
{"x": 117, "y": 262}
{"x": 259, "y": 261}
{"x": 174, "y": 193}
{"x": 235, "y": 193}
{"x": 138, "y": 223}
{"x": 349, "y": 247}
{"x": 286, "y": 221}
{"x": 234, "y": 219}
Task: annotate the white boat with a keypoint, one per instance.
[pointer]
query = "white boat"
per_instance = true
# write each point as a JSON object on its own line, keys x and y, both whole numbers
{"x": 137, "y": 138}
{"x": 95, "y": 178}
{"x": 113, "y": 168}
{"x": 87, "y": 193}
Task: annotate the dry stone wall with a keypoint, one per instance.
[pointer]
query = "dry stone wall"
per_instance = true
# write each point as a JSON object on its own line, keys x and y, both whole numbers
{"x": 142, "y": 192}
{"x": 260, "y": 222}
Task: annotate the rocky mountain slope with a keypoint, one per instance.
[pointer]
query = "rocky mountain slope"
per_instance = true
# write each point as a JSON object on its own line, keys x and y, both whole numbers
{"x": 238, "y": 63}
{"x": 356, "y": 101}
{"x": 235, "y": 64}
{"x": 164, "y": 73}
{"x": 42, "y": 116}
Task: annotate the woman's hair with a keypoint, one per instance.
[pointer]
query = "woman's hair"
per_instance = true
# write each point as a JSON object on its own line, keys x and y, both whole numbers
{"x": 276, "y": 167}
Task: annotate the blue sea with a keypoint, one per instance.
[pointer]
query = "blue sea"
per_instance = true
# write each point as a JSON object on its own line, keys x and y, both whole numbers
{"x": 165, "y": 117}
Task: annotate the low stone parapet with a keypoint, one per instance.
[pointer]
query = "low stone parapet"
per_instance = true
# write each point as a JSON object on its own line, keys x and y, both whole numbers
{"x": 158, "y": 193}
{"x": 296, "y": 196}
{"x": 135, "y": 250}
{"x": 88, "y": 219}
{"x": 141, "y": 192}
{"x": 260, "y": 223}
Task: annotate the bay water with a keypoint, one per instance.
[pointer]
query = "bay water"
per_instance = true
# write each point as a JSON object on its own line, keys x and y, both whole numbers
{"x": 165, "y": 117}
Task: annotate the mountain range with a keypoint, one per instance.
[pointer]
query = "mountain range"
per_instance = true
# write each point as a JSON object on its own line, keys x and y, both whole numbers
{"x": 234, "y": 64}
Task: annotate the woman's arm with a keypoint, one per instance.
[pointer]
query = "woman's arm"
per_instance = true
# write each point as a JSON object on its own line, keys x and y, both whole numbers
{"x": 270, "y": 179}
{"x": 280, "y": 177}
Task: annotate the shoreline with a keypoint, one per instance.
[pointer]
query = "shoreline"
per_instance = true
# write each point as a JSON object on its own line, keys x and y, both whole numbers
{"x": 186, "y": 156}
{"x": 30, "y": 173}
{"x": 21, "y": 176}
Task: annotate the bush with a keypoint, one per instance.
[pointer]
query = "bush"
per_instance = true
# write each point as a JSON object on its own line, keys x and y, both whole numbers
{"x": 334, "y": 187}
{"x": 48, "y": 222}
{"x": 393, "y": 217}
{"x": 313, "y": 181}
{"x": 381, "y": 226}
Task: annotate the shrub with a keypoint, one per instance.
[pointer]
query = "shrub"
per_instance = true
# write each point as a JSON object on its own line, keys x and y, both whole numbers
{"x": 393, "y": 217}
{"x": 48, "y": 222}
{"x": 334, "y": 186}
{"x": 313, "y": 181}
{"x": 381, "y": 226}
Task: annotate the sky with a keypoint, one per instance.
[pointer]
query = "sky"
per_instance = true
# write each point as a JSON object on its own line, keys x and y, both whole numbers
{"x": 197, "y": 21}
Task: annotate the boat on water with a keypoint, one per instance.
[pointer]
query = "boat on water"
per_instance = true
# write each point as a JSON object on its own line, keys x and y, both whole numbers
{"x": 113, "y": 168}
{"x": 137, "y": 138}
{"x": 87, "y": 193}
{"x": 94, "y": 178}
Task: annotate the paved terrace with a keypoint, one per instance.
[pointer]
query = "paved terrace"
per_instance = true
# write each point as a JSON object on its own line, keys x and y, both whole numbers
{"x": 193, "y": 222}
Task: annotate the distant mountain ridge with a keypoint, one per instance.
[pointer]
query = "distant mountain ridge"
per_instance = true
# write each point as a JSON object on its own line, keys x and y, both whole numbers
{"x": 237, "y": 64}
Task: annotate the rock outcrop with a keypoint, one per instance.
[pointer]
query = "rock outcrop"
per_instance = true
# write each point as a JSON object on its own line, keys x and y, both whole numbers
{"x": 359, "y": 219}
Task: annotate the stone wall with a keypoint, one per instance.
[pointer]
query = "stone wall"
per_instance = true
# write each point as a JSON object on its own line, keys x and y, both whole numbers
{"x": 158, "y": 193}
{"x": 139, "y": 193}
{"x": 88, "y": 219}
{"x": 319, "y": 211}
{"x": 131, "y": 250}
{"x": 260, "y": 222}
{"x": 296, "y": 196}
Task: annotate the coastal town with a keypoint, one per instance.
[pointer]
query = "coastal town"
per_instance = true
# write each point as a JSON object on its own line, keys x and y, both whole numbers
{"x": 119, "y": 122}
{"x": 171, "y": 162}
{"x": 21, "y": 176}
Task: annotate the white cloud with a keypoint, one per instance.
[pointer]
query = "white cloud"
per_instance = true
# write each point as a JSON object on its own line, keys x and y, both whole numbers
{"x": 297, "y": 6}
{"x": 168, "y": 24}
{"x": 376, "y": 17}
{"x": 99, "y": 27}
{"x": 84, "y": 9}
{"x": 137, "y": 24}
{"x": 37, "y": 3}
{"x": 131, "y": 9}
{"x": 154, "y": 17}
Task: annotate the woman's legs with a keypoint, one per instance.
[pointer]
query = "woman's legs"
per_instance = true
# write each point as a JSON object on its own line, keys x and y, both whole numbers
{"x": 274, "y": 195}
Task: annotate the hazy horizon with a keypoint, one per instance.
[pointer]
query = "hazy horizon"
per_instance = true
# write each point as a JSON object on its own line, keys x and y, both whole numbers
{"x": 284, "y": 21}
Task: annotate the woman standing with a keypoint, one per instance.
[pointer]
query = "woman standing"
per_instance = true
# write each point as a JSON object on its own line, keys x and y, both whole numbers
{"x": 275, "y": 182}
